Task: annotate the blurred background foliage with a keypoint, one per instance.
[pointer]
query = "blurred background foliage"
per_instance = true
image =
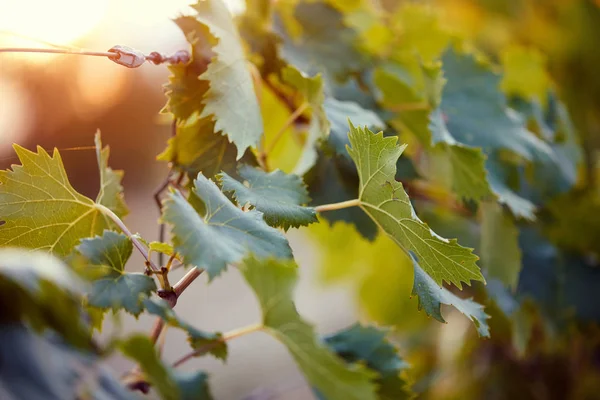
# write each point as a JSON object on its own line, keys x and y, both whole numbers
{"x": 545, "y": 341}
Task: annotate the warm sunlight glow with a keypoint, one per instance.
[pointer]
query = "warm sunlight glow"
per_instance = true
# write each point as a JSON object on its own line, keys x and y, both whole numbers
{"x": 57, "y": 21}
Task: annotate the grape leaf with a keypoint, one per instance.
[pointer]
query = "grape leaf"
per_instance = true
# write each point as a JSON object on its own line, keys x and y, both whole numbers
{"x": 338, "y": 112}
{"x": 192, "y": 385}
{"x": 111, "y": 190}
{"x": 39, "y": 209}
{"x": 141, "y": 349}
{"x": 462, "y": 165}
{"x": 311, "y": 91}
{"x": 273, "y": 283}
{"x": 38, "y": 288}
{"x": 185, "y": 90}
{"x": 44, "y": 367}
{"x": 332, "y": 181}
{"x": 500, "y": 253}
{"x": 230, "y": 97}
{"x": 196, "y": 148}
{"x": 386, "y": 202}
{"x": 196, "y": 337}
{"x": 116, "y": 289}
{"x": 323, "y": 44}
{"x": 367, "y": 344}
{"x": 277, "y": 195}
{"x": 432, "y": 296}
{"x": 223, "y": 235}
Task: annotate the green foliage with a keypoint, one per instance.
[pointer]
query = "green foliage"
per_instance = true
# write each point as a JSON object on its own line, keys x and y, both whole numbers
{"x": 40, "y": 209}
{"x": 273, "y": 283}
{"x": 368, "y": 345}
{"x": 115, "y": 288}
{"x": 260, "y": 144}
{"x": 386, "y": 202}
{"x": 222, "y": 234}
{"x": 277, "y": 195}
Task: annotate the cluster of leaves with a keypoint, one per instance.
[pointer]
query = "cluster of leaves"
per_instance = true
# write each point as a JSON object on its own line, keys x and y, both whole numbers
{"x": 275, "y": 122}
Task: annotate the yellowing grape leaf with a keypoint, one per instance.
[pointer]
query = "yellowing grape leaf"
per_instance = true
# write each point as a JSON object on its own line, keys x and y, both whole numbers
{"x": 277, "y": 195}
{"x": 111, "y": 190}
{"x": 230, "y": 97}
{"x": 196, "y": 148}
{"x": 386, "y": 202}
{"x": 39, "y": 209}
{"x": 224, "y": 234}
{"x": 525, "y": 73}
{"x": 311, "y": 92}
{"x": 273, "y": 283}
{"x": 500, "y": 252}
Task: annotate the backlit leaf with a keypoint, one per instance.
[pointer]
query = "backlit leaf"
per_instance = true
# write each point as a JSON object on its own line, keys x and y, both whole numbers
{"x": 311, "y": 92}
{"x": 230, "y": 98}
{"x": 223, "y": 235}
{"x": 277, "y": 195}
{"x": 111, "y": 190}
{"x": 39, "y": 209}
{"x": 500, "y": 252}
{"x": 273, "y": 283}
{"x": 386, "y": 202}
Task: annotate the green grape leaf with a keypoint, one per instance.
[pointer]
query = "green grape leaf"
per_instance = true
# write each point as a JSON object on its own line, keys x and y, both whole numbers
{"x": 40, "y": 210}
{"x": 368, "y": 345}
{"x": 277, "y": 195}
{"x": 311, "y": 91}
{"x": 116, "y": 289}
{"x": 38, "y": 288}
{"x": 44, "y": 367}
{"x": 192, "y": 385}
{"x": 230, "y": 97}
{"x": 338, "y": 112}
{"x": 483, "y": 119}
{"x": 432, "y": 296}
{"x": 196, "y": 337}
{"x": 386, "y": 202}
{"x": 111, "y": 190}
{"x": 140, "y": 349}
{"x": 196, "y": 148}
{"x": 273, "y": 283}
{"x": 332, "y": 181}
{"x": 500, "y": 252}
{"x": 223, "y": 235}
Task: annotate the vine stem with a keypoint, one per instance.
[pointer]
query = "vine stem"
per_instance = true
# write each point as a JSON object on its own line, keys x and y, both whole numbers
{"x": 227, "y": 336}
{"x": 186, "y": 281}
{"x": 138, "y": 245}
{"x": 338, "y": 206}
